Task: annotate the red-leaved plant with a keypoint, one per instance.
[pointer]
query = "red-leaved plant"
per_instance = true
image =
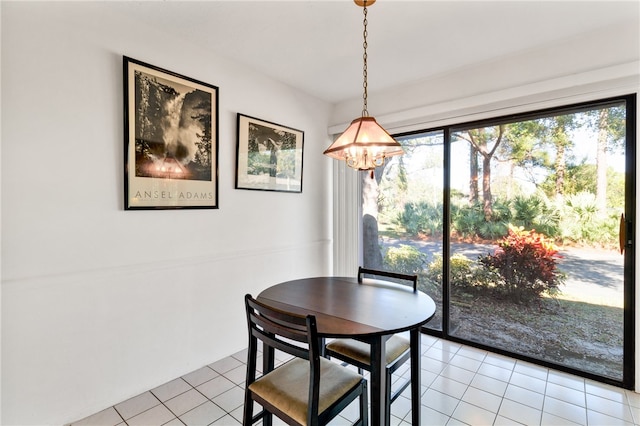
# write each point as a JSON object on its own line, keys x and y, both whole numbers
{"x": 526, "y": 262}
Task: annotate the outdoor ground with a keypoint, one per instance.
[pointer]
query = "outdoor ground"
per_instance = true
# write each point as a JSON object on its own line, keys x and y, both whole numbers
{"x": 581, "y": 328}
{"x": 575, "y": 334}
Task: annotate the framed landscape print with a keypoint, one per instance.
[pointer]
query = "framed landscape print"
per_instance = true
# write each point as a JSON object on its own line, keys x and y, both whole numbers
{"x": 269, "y": 156}
{"x": 170, "y": 140}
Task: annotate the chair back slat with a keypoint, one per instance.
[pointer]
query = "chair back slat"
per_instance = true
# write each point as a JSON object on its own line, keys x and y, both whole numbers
{"x": 281, "y": 330}
{"x": 272, "y": 325}
{"x": 395, "y": 276}
{"x": 275, "y": 341}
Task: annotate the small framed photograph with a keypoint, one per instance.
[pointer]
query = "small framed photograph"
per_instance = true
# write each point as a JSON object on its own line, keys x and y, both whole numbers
{"x": 269, "y": 156}
{"x": 170, "y": 140}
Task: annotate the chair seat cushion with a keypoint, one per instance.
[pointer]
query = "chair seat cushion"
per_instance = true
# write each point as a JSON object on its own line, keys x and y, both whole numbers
{"x": 287, "y": 387}
{"x": 361, "y": 352}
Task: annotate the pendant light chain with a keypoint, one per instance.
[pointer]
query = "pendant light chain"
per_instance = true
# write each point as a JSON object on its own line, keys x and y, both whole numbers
{"x": 365, "y": 144}
{"x": 365, "y": 112}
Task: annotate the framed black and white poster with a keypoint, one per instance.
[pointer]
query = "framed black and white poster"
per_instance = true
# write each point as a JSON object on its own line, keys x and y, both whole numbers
{"x": 269, "y": 156}
{"x": 171, "y": 139}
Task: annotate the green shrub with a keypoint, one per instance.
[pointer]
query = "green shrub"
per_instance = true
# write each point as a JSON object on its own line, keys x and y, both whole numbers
{"x": 536, "y": 212}
{"x": 404, "y": 259}
{"x": 526, "y": 262}
{"x": 501, "y": 212}
{"x": 421, "y": 217}
{"x": 527, "y": 210}
{"x": 584, "y": 223}
{"x": 493, "y": 230}
{"x": 466, "y": 221}
{"x": 461, "y": 273}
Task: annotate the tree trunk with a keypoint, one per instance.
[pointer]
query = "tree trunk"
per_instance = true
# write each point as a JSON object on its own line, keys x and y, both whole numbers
{"x": 487, "y": 205}
{"x": 372, "y": 257}
{"x": 510, "y": 184}
{"x": 560, "y": 171}
{"x": 473, "y": 173}
{"x": 601, "y": 161}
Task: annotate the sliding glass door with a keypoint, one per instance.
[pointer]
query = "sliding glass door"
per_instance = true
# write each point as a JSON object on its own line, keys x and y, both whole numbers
{"x": 519, "y": 229}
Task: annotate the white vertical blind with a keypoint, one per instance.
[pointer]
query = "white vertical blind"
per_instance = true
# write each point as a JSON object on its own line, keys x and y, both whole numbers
{"x": 346, "y": 220}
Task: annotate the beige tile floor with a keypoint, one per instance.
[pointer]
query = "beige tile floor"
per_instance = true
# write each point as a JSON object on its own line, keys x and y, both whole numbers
{"x": 461, "y": 386}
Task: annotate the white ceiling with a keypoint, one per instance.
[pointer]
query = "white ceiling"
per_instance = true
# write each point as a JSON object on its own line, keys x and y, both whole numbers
{"x": 316, "y": 46}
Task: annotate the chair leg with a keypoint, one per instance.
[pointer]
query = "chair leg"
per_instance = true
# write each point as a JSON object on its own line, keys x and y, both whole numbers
{"x": 267, "y": 420}
{"x": 364, "y": 405}
{"x": 387, "y": 393}
{"x": 247, "y": 417}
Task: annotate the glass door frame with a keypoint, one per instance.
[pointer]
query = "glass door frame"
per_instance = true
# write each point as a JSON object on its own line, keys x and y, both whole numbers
{"x": 629, "y": 317}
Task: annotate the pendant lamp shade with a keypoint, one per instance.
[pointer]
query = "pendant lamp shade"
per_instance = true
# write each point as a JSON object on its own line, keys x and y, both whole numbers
{"x": 365, "y": 144}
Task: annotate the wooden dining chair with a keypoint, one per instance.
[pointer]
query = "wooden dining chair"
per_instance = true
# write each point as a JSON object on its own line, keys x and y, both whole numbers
{"x": 398, "y": 347}
{"x": 308, "y": 389}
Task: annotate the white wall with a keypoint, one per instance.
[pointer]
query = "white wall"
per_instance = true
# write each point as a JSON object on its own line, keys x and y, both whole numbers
{"x": 592, "y": 66}
{"x": 98, "y": 303}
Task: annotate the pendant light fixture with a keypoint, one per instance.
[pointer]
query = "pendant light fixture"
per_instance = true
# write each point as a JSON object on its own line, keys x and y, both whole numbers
{"x": 364, "y": 145}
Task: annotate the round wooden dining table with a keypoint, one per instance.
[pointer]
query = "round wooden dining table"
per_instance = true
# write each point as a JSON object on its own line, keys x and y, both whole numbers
{"x": 370, "y": 311}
